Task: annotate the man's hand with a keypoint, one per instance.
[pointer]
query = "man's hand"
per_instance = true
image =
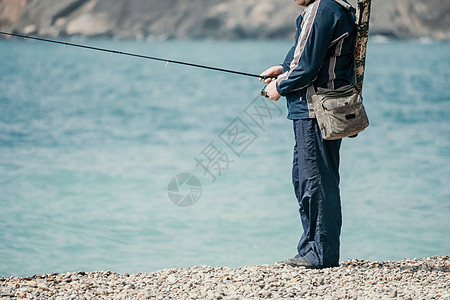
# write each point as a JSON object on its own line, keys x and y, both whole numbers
{"x": 272, "y": 72}
{"x": 271, "y": 90}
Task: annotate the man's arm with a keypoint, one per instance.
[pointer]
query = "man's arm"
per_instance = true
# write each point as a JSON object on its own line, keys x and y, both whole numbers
{"x": 312, "y": 45}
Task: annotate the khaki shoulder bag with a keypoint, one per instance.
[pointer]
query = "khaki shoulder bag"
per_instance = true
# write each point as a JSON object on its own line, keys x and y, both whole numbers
{"x": 340, "y": 113}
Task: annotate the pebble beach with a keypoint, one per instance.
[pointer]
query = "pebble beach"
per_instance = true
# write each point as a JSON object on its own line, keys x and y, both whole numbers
{"x": 426, "y": 278}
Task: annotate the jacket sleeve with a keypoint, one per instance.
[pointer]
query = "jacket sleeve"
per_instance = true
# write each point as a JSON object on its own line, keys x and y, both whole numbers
{"x": 311, "y": 47}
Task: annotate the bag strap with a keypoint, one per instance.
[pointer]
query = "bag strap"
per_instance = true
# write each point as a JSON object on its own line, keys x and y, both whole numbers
{"x": 346, "y": 6}
{"x": 311, "y": 90}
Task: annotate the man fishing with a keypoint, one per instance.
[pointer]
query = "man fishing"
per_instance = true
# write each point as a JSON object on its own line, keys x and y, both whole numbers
{"x": 322, "y": 55}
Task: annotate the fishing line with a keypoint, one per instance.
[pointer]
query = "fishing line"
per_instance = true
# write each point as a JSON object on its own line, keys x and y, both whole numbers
{"x": 134, "y": 55}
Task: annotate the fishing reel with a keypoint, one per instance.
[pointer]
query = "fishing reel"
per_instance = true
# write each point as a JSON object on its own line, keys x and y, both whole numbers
{"x": 264, "y": 92}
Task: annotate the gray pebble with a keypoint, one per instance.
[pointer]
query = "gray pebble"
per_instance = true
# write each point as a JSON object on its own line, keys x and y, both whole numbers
{"x": 427, "y": 278}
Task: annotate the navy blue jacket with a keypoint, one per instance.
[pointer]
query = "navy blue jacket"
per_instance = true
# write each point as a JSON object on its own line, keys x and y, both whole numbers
{"x": 322, "y": 53}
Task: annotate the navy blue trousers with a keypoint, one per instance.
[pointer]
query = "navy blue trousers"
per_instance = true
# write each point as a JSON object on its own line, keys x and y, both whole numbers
{"x": 315, "y": 175}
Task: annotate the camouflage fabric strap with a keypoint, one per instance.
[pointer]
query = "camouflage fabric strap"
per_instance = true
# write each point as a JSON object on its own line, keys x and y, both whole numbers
{"x": 362, "y": 35}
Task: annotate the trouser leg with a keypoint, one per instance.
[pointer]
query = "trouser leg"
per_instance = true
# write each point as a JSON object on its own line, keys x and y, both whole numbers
{"x": 315, "y": 175}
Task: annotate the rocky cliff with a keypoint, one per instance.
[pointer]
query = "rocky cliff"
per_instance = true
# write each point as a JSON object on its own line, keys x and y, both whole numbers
{"x": 215, "y": 19}
{"x": 11, "y": 11}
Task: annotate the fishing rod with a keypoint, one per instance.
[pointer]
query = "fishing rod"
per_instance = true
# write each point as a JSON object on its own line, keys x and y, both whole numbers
{"x": 134, "y": 55}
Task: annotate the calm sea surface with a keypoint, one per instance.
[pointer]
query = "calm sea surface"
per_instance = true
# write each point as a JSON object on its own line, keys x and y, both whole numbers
{"x": 90, "y": 144}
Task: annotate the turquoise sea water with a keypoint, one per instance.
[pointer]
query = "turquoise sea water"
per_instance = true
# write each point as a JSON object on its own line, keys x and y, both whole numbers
{"x": 90, "y": 141}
